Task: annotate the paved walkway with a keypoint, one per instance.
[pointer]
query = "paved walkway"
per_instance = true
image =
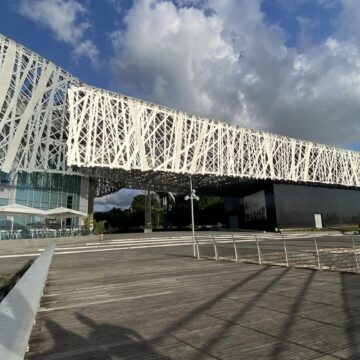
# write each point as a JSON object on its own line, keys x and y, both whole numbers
{"x": 158, "y": 303}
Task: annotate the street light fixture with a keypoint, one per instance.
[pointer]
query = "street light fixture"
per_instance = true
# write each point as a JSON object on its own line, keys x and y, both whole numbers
{"x": 192, "y": 197}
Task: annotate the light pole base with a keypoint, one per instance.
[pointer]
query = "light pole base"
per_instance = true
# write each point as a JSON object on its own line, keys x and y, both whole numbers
{"x": 147, "y": 229}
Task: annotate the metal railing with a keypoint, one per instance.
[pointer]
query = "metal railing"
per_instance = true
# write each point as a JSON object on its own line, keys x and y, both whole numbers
{"x": 335, "y": 253}
{"x": 18, "y": 309}
{"x": 35, "y": 233}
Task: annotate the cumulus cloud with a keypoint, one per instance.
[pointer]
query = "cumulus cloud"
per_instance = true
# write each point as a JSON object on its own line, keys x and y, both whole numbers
{"x": 86, "y": 48}
{"x": 121, "y": 199}
{"x": 223, "y": 59}
{"x": 157, "y": 58}
{"x": 66, "y": 19}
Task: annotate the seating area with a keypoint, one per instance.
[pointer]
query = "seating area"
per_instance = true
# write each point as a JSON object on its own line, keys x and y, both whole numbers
{"x": 10, "y": 234}
{"x": 46, "y": 233}
{"x": 44, "y": 223}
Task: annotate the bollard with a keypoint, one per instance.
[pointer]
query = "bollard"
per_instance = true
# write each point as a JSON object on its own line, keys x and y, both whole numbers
{"x": 235, "y": 249}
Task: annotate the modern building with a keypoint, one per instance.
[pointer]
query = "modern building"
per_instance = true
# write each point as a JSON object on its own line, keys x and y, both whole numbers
{"x": 268, "y": 205}
{"x": 33, "y": 130}
{"x": 63, "y": 142}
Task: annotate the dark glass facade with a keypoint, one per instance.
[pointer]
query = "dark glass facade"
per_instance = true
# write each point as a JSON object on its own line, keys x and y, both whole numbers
{"x": 297, "y": 204}
{"x": 253, "y": 207}
{"x": 266, "y": 205}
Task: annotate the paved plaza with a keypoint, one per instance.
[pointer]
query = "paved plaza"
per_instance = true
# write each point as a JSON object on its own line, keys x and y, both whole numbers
{"x": 147, "y": 298}
{"x": 157, "y": 302}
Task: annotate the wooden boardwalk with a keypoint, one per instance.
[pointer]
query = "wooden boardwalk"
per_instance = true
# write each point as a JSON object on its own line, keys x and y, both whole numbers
{"x": 162, "y": 304}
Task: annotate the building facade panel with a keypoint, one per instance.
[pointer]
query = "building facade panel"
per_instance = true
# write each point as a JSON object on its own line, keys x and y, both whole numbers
{"x": 296, "y": 206}
{"x": 285, "y": 206}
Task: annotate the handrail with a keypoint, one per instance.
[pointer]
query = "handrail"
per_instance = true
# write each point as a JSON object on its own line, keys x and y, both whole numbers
{"x": 310, "y": 252}
{"x": 19, "y": 307}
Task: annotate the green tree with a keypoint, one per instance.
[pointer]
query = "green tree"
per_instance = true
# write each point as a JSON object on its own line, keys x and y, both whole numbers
{"x": 89, "y": 223}
{"x": 138, "y": 203}
{"x": 138, "y": 207}
{"x": 207, "y": 201}
{"x": 100, "y": 227}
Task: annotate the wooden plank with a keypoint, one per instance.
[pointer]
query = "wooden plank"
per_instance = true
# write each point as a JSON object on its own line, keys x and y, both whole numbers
{"x": 161, "y": 304}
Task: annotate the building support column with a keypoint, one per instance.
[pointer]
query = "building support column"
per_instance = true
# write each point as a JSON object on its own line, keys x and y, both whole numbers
{"x": 91, "y": 195}
{"x": 148, "y": 224}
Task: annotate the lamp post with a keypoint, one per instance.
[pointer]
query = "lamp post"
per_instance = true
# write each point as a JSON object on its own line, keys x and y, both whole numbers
{"x": 192, "y": 197}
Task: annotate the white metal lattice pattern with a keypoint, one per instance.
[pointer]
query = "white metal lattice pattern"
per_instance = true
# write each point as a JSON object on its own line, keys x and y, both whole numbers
{"x": 33, "y": 111}
{"x": 114, "y": 131}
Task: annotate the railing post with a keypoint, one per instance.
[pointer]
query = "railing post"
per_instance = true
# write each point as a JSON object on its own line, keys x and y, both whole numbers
{"x": 285, "y": 250}
{"x": 258, "y": 249}
{"x": 317, "y": 253}
{"x": 197, "y": 247}
{"x": 355, "y": 254}
{"x": 215, "y": 248}
{"x": 235, "y": 249}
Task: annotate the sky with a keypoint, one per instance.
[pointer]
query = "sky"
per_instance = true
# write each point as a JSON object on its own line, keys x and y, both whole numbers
{"x": 291, "y": 67}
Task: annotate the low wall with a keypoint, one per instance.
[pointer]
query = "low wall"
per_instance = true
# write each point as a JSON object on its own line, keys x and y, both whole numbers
{"x": 19, "y": 308}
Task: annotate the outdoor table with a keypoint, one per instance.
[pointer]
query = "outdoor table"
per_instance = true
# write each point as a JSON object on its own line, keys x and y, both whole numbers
{"x": 51, "y": 232}
{"x": 16, "y": 234}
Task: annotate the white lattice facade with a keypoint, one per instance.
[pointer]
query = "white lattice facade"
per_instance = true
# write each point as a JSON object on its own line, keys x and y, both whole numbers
{"x": 51, "y": 122}
{"x": 33, "y": 111}
{"x": 108, "y": 130}
{"x": 33, "y": 133}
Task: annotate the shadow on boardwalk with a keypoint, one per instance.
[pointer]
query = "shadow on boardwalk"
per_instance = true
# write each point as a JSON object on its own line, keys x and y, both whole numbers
{"x": 103, "y": 342}
{"x": 125, "y": 343}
